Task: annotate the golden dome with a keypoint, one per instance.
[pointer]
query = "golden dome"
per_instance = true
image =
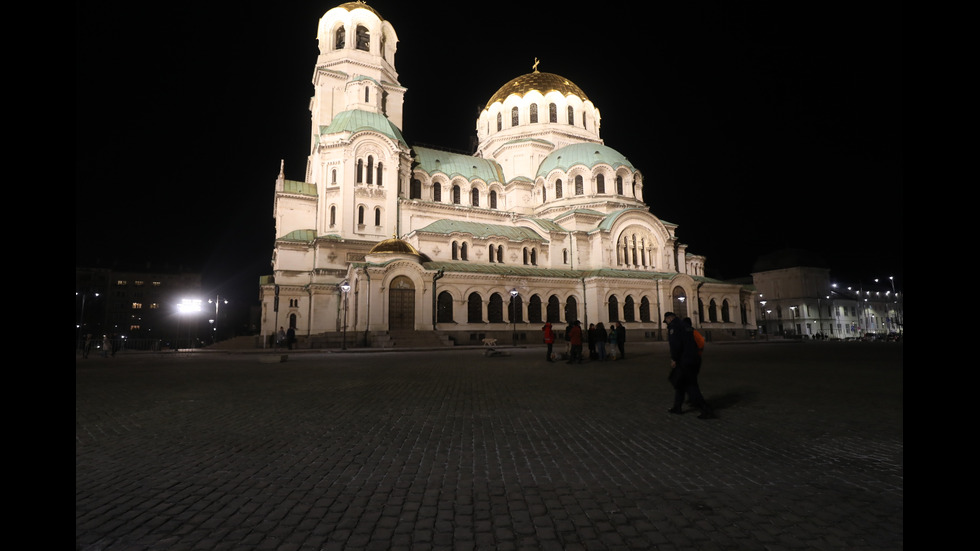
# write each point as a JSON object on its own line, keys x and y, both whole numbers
{"x": 542, "y": 82}
{"x": 393, "y": 246}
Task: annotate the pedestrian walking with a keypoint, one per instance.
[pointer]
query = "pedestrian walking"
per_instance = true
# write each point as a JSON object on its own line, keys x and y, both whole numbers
{"x": 685, "y": 365}
{"x": 290, "y": 338}
{"x": 575, "y": 340}
{"x": 549, "y": 339}
{"x": 591, "y": 335}
{"x": 88, "y": 346}
{"x": 621, "y": 340}
{"x": 281, "y": 338}
{"x": 105, "y": 346}
{"x": 612, "y": 341}
{"x": 600, "y": 340}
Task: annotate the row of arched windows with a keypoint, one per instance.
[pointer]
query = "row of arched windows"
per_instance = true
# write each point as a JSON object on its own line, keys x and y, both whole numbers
{"x": 538, "y": 312}
{"x": 495, "y": 253}
{"x": 455, "y": 194}
{"x": 366, "y": 172}
{"x": 635, "y": 250}
{"x": 515, "y": 116}
{"x": 361, "y": 213}
{"x": 578, "y": 187}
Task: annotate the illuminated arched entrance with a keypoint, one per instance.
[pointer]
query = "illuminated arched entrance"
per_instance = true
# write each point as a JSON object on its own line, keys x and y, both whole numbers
{"x": 680, "y": 302}
{"x": 401, "y": 304}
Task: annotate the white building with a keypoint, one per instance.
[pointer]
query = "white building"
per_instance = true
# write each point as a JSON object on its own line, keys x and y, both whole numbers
{"x": 543, "y": 222}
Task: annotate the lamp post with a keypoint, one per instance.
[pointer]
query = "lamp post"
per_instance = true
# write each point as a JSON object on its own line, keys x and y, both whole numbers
{"x": 345, "y": 288}
{"x": 765, "y": 326}
{"x": 214, "y": 324}
{"x": 81, "y": 318}
{"x": 513, "y": 312}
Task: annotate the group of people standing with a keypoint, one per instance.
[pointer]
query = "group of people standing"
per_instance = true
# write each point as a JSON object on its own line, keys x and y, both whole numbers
{"x": 686, "y": 349}
{"x": 596, "y": 337}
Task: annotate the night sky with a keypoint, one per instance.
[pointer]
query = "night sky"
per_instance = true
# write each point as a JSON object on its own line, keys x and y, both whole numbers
{"x": 758, "y": 126}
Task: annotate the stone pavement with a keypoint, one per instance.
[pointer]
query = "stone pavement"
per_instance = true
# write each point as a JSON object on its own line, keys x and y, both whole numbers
{"x": 456, "y": 450}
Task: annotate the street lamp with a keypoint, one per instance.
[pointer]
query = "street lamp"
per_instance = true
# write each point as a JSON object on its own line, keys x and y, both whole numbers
{"x": 214, "y": 324}
{"x": 187, "y": 306}
{"x": 345, "y": 287}
{"x": 765, "y": 325}
{"x": 513, "y": 312}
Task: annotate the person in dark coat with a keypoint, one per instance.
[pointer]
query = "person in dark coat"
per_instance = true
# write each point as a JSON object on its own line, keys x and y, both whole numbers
{"x": 575, "y": 339}
{"x": 621, "y": 340}
{"x": 685, "y": 365}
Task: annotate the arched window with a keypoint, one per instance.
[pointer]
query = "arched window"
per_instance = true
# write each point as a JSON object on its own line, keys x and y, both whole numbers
{"x": 534, "y": 113}
{"x": 534, "y": 309}
{"x": 629, "y": 314}
{"x": 475, "y": 197}
{"x": 474, "y": 308}
{"x": 514, "y": 118}
{"x": 491, "y": 254}
{"x": 726, "y": 315}
{"x": 558, "y": 189}
{"x": 571, "y": 115}
{"x": 500, "y": 253}
{"x": 455, "y": 250}
{"x": 462, "y": 251}
{"x": 363, "y": 38}
{"x": 645, "y": 309}
{"x": 444, "y": 312}
{"x": 340, "y": 39}
{"x": 377, "y": 216}
{"x": 552, "y": 112}
{"x": 455, "y": 195}
{"x": 571, "y": 309}
{"x": 579, "y": 185}
{"x": 534, "y": 257}
{"x": 500, "y": 122}
{"x": 613, "y": 308}
{"x": 564, "y": 256}
{"x": 360, "y": 215}
{"x": 527, "y": 258}
{"x": 367, "y": 94}
{"x": 553, "y": 309}
{"x": 380, "y": 172}
{"x": 679, "y": 302}
{"x": 619, "y": 185}
{"x": 360, "y": 171}
{"x": 493, "y": 199}
{"x": 712, "y": 311}
{"x": 544, "y": 194}
{"x": 514, "y": 309}
{"x": 415, "y": 189}
{"x": 437, "y": 192}
{"x": 495, "y": 309}
{"x": 333, "y": 176}
{"x": 600, "y": 183}
{"x": 333, "y": 216}
{"x": 370, "y": 170}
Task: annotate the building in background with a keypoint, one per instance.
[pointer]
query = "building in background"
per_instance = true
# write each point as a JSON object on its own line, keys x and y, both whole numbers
{"x": 797, "y": 298}
{"x": 544, "y": 221}
{"x": 143, "y": 308}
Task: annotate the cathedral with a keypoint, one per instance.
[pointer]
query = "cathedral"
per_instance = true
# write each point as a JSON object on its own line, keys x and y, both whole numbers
{"x": 543, "y": 222}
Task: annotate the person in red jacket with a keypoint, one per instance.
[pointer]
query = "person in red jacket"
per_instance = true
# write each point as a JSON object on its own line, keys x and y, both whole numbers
{"x": 549, "y": 339}
{"x": 575, "y": 339}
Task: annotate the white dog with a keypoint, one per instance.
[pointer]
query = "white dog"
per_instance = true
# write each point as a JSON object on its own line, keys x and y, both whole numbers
{"x": 490, "y": 342}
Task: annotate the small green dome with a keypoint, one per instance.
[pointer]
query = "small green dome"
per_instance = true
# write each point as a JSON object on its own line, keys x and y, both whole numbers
{"x": 587, "y": 154}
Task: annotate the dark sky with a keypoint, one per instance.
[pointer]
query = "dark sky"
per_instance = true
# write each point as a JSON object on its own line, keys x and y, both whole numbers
{"x": 758, "y": 126}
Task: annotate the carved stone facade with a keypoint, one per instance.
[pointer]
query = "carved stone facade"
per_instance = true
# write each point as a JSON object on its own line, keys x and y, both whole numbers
{"x": 543, "y": 221}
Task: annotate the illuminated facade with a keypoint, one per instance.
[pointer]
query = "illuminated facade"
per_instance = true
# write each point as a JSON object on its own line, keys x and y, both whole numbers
{"x": 543, "y": 222}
